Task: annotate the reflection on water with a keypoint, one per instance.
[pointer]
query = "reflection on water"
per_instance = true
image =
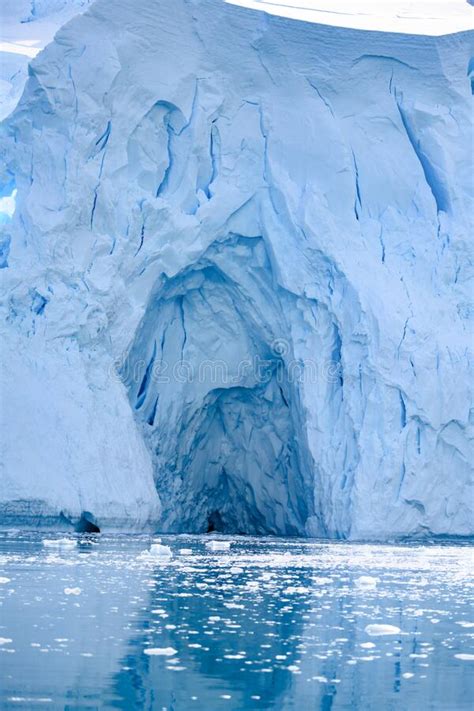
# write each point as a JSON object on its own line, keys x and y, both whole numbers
{"x": 268, "y": 624}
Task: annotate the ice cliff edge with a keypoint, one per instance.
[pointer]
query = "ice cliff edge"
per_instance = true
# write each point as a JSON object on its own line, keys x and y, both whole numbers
{"x": 236, "y": 278}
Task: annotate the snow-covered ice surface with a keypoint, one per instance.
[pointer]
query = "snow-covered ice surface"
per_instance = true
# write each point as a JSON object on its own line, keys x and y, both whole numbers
{"x": 238, "y": 275}
{"x": 26, "y": 26}
{"x": 418, "y": 17}
{"x": 270, "y": 624}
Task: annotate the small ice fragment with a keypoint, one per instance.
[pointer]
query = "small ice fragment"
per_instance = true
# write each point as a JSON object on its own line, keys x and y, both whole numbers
{"x": 366, "y": 581}
{"x": 160, "y": 651}
{"x": 295, "y": 590}
{"x": 467, "y": 625}
{"x": 72, "y": 591}
{"x": 59, "y": 542}
{"x": 157, "y": 551}
{"x": 218, "y": 545}
{"x": 252, "y": 584}
{"x": 235, "y": 570}
{"x": 4, "y": 581}
{"x": 465, "y": 657}
{"x": 367, "y": 645}
{"x": 381, "y": 630}
{"x": 5, "y": 640}
{"x": 185, "y": 551}
{"x": 407, "y": 675}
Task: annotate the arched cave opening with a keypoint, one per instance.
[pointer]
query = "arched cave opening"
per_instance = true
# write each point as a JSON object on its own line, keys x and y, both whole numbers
{"x": 209, "y": 382}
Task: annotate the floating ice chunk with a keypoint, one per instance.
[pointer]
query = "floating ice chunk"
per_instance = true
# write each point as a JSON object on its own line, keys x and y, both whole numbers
{"x": 185, "y": 551}
{"x": 59, "y": 542}
{"x": 235, "y": 570}
{"x": 408, "y": 675}
{"x": 157, "y": 552}
{"x": 295, "y": 590}
{"x": 367, "y": 582}
{"x": 4, "y": 581}
{"x": 367, "y": 645}
{"x": 462, "y": 623}
{"x": 72, "y": 591}
{"x": 5, "y": 640}
{"x": 381, "y": 630}
{"x": 252, "y": 584}
{"x": 160, "y": 651}
{"x": 465, "y": 657}
{"x": 218, "y": 545}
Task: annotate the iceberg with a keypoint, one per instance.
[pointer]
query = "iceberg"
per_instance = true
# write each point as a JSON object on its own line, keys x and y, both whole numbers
{"x": 235, "y": 285}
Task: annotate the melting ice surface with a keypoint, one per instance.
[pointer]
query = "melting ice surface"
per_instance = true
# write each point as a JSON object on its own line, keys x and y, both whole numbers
{"x": 267, "y": 624}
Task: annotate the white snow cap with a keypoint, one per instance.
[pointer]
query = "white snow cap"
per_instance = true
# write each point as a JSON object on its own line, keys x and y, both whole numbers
{"x": 418, "y": 17}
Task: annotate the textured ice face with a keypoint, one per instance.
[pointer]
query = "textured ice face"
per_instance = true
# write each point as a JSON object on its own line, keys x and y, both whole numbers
{"x": 211, "y": 188}
{"x": 26, "y": 27}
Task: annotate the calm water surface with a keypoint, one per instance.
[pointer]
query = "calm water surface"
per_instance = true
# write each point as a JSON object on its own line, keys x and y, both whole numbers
{"x": 268, "y": 624}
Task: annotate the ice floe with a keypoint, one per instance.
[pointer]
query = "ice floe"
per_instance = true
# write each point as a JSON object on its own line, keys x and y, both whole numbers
{"x": 379, "y": 630}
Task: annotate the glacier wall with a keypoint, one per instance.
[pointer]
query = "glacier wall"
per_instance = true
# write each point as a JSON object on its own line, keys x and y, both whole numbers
{"x": 235, "y": 292}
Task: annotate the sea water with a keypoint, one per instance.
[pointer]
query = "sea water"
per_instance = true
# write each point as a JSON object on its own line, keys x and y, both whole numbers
{"x": 172, "y": 623}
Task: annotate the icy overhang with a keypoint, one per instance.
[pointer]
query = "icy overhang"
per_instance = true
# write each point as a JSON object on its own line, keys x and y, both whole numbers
{"x": 416, "y": 17}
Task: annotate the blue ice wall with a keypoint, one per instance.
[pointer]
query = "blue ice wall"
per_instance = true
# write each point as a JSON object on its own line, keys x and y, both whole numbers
{"x": 211, "y": 187}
